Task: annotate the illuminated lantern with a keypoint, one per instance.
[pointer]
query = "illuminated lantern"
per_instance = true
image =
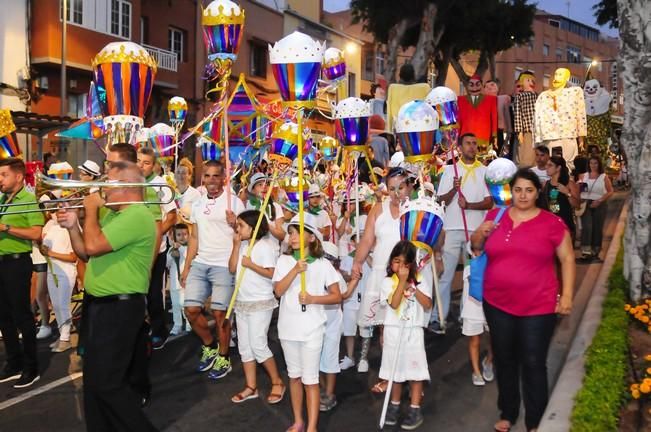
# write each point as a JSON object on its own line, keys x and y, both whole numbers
{"x": 177, "y": 109}
{"x": 8, "y": 142}
{"x": 421, "y": 222}
{"x": 351, "y": 123}
{"x": 334, "y": 65}
{"x": 499, "y": 174}
{"x": 415, "y": 125}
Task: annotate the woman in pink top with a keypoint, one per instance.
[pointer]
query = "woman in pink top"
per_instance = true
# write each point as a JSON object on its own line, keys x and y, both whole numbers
{"x": 521, "y": 295}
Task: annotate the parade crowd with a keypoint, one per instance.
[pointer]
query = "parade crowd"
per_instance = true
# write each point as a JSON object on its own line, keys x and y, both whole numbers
{"x": 363, "y": 285}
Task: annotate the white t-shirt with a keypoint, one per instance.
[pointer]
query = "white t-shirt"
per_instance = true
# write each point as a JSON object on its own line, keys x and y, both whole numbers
{"x": 293, "y": 323}
{"x": 323, "y": 221}
{"x": 410, "y": 306}
{"x": 164, "y": 194}
{"x": 37, "y": 256}
{"x": 541, "y": 173}
{"x": 57, "y": 239}
{"x": 351, "y": 229}
{"x": 171, "y": 267}
{"x": 255, "y": 287}
{"x": 474, "y": 189}
{"x": 214, "y": 232}
{"x": 186, "y": 199}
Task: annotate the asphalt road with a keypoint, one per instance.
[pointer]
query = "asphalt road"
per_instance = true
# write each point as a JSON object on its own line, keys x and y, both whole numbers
{"x": 184, "y": 400}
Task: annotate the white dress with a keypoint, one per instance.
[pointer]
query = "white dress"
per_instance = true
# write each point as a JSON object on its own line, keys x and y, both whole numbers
{"x": 387, "y": 235}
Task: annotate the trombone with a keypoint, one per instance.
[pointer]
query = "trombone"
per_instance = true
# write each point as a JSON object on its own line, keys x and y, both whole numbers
{"x": 77, "y": 190}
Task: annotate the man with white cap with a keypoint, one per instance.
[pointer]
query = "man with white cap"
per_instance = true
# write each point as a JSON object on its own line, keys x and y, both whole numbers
{"x": 323, "y": 222}
{"x": 89, "y": 171}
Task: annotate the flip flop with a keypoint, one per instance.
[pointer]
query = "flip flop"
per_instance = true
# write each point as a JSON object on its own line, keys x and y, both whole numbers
{"x": 239, "y": 398}
{"x": 275, "y": 398}
{"x": 380, "y": 387}
{"x": 499, "y": 426}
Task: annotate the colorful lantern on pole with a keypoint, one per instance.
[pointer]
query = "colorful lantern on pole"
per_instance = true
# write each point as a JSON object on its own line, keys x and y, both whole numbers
{"x": 444, "y": 101}
{"x": 328, "y": 148}
{"x": 8, "y": 142}
{"x": 499, "y": 174}
{"x": 421, "y": 222}
{"x": 415, "y": 125}
{"x": 351, "y": 123}
{"x": 161, "y": 139}
{"x": 177, "y": 109}
{"x": 283, "y": 149}
{"x": 334, "y": 65}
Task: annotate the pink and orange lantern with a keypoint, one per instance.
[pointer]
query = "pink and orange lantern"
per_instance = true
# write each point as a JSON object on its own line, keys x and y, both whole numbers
{"x": 124, "y": 78}
{"x": 8, "y": 142}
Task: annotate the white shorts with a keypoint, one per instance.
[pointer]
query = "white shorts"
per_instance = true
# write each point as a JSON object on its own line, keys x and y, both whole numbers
{"x": 302, "y": 358}
{"x": 330, "y": 355}
{"x": 350, "y": 321}
{"x": 472, "y": 327}
{"x": 252, "y": 329}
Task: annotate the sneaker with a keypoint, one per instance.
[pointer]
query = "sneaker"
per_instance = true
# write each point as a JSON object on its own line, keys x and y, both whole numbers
{"x": 346, "y": 363}
{"x": 413, "y": 420}
{"x": 9, "y": 374}
{"x": 487, "y": 370}
{"x": 362, "y": 366}
{"x": 478, "y": 380}
{"x": 44, "y": 332}
{"x": 158, "y": 342}
{"x": 27, "y": 378}
{"x": 62, "y": 346}
{"x": 435, "y": 327}
{"x": 208, "y": 357}
{"x": 393, "y": 411}
{"x": 327, "y": 403}
{"x": 176, "y": 330}
{"x": 221, "y": 368}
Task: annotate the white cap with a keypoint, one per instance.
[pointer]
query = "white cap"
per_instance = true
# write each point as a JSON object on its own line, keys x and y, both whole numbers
{"x": 256, "y": 178}
{"x": 91, "y": 168}
{"x": 330, "y": 249}
{"x": 309, "y": 223}
{"x": 314, "y": 190}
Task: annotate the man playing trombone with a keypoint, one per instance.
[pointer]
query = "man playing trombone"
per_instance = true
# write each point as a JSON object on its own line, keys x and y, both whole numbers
{"x": 119, "y": 251}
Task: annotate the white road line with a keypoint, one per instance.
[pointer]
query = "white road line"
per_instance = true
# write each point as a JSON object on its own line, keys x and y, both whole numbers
{"x": 37, "y": 391}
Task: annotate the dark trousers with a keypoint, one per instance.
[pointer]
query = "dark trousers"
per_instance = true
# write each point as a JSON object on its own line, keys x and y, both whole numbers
{"x": 16, "y": 313}
{"x": 592, "y": 227}
{"x": 112, "y": 330}
{"x": 520, "y": 346}
{"x": 156, "y": 297}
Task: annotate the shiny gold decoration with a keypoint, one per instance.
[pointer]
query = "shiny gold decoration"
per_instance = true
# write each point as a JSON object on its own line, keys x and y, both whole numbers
{"x": 122, "y": 56}
{"x": 7, "y": 125}
{"x": 207, "y": 19}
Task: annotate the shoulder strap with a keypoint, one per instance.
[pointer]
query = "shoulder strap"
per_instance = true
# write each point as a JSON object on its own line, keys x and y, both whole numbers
{"x": 500, "y": 214}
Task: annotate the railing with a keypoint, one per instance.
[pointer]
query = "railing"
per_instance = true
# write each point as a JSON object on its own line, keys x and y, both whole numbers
{"x": 166, "y": 60}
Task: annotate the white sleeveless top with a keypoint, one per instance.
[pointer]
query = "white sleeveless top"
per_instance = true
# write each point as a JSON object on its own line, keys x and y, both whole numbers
{"x": 596, "y": 187}
{"x": 387, "y": 234}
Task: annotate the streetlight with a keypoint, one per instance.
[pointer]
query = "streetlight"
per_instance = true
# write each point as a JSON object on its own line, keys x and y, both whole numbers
{"x": 592, "y": 64}
{"x": 351, "y": 48}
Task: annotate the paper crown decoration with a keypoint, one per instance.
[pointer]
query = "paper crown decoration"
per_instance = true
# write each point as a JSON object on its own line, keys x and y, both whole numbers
{"x": 290, "y": 187}
{"x": 498, "y": 177}
{"x": 334, "y": 64}
{"x": 141, "y": 137}
{"x": 421, "y": 222}
{"x": 296, "y": 65}
{"x": 444, "y": 101}
{"x": 351, "y": 123}
{"x": 223, "y": 28}
{"x": 60, "y": 170}
{"x": 283, "y": 148}
{"x": 415, "y": 125}
{"x": 161, "y": 139}
{"x": 177, "y": 109}
{"x": 328, "y": 148}
{"x": 124, "y": 78}
{"x": 8, "y": 142}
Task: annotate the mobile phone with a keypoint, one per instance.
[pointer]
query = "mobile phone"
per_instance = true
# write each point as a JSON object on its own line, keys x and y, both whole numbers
{"x": 583, "y": 187}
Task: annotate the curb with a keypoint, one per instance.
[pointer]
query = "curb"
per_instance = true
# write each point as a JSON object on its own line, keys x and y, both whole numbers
{"x": 557, "y": 416}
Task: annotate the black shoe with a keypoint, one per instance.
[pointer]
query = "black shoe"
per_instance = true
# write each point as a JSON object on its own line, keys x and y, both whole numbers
{"x": 584, "y": 259}
{"x": 393, "y": 411}
{"x": 413, "y": 420}
{"x": 158, "y": 342}
{"x": 9, "y": 374}
{"x": 27, "y": 379}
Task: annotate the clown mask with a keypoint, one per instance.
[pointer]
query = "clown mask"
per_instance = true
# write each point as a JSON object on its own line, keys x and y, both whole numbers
{"x": 561, "y": 77}
{"x": 474, "y": 86}
{"x": 490, "y": 88}
{"x": 591, "y": 88}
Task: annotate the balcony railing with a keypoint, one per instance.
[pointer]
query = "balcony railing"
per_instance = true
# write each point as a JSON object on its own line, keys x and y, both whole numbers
{"x": 166, "y": 60}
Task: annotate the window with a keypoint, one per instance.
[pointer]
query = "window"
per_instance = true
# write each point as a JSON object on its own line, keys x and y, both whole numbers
{"x": 144, "y": 30}
{"x": 258, "y": 60}
{"x": 554, "y": 23}
{"x": 379, "y": 63}
{"x": 77, "y": 105}
{"x": 351, "y": 85}
{"x": 559, "y": 54}
{"x": 369, "y": 58}
{"x": 545, "y": 50}
{"x": 546, "y": 78}
{"x": 74, "y": 11}
{"x": 573, "y": 54}
{"x": 121, "y": 18}
{"x": 176, "y": 43}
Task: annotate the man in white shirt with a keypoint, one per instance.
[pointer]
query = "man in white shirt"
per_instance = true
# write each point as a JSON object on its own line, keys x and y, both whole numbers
{"x": 205, "y": 273}
{"x": 470, "y": 193}
{"x": 165, "y": 215}
{"x": 540, "y": 169}
{"x": 323, "y": 222}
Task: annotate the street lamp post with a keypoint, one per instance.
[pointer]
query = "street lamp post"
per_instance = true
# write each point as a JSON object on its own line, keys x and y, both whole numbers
{"x": 63, "y": 57}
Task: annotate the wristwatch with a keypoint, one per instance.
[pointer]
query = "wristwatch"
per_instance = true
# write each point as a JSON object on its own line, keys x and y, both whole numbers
{"x": 7, "y": 228}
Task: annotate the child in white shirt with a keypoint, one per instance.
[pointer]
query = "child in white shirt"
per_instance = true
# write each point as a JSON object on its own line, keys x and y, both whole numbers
{"x": 302, "y": 317}
{"x": 255, "y": 303}
{"x": 175, "y": 263}
{"x": 408, "y": 296}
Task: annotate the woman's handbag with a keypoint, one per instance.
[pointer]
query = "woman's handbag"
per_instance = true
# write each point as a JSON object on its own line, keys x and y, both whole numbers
{"x": 478, "y": 267}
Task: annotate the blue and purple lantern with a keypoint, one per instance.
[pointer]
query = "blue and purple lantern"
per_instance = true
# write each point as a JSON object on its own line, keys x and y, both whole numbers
{"x": 351, "y": 123}
{"x": 289, "y": 198}
{"x": 223, "y": 29}
{"x": 328, "y": 148}
{"x": 499, "y": 174}
{"x": 296, "y": 65}
{"x": 421, "y": 222}
{"x": 444, "y": 101}
{"x": 283, "y": 148}
{"x": 334, "y": 65}
{"x": 416, "y": 125}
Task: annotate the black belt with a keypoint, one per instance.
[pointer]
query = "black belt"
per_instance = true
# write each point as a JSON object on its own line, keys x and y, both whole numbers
{"x": 14, "y": 256}
{"x": 112, "y": 298}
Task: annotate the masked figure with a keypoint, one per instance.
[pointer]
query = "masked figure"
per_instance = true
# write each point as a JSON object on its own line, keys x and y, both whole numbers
{"x": 524, "y": 106}
{"x": 478, "y": 115}
{"x": 597, "y": 108}
{"x": 560, "y": 118}
{"x": 504, "y": 122}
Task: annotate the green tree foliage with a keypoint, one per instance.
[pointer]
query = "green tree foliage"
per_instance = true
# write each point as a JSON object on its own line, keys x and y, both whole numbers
{"x": 606, "y": 13}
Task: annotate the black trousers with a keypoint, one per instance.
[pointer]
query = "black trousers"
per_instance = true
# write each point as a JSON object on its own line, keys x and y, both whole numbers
{"x": 156, "y": 297}
{"x": 592, "y": 226}
{"x": 112, "y": 337}
{"x": 16, "y": 313}
{"x": 520, "y": 346}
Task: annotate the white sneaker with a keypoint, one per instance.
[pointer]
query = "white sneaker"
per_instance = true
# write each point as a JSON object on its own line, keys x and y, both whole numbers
{"x": 487, "y": 370}
{"x": 44, "y": 332}
{"x": 346, "y": 363}
{"x": 478, "y": 381}
{"x": 362, "y": 366}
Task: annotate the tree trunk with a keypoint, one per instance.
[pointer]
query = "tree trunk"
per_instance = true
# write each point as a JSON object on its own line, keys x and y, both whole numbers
{"x": 442, "y": 62}
{"x": 480, "y": 69}
{"x": 426, "y": 44}
{"x": 635, "y": 70}
{"x": 396, "y": 34}
{"x": 491, "y": 65}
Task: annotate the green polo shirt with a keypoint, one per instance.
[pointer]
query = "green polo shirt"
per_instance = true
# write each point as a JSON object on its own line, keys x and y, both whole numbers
{"x": 8, "y": 243}
{"x": 151, "y": 195}
{"x": 132, "y": 235}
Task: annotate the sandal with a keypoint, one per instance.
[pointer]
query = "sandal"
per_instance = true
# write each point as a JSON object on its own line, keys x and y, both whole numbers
{"x": 240, "y": 397}
{"x": 502, "y": 426}
{"x": 274, "y": 398}
{"x": 380, "y": 387}
{"x": 296, "y": 427}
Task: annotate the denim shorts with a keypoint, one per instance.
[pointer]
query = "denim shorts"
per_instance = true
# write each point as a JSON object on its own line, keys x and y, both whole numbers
{"x": 207, "y": 280}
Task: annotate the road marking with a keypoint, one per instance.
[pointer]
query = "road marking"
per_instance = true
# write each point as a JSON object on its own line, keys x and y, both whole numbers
{"x": 37, "y": 391}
